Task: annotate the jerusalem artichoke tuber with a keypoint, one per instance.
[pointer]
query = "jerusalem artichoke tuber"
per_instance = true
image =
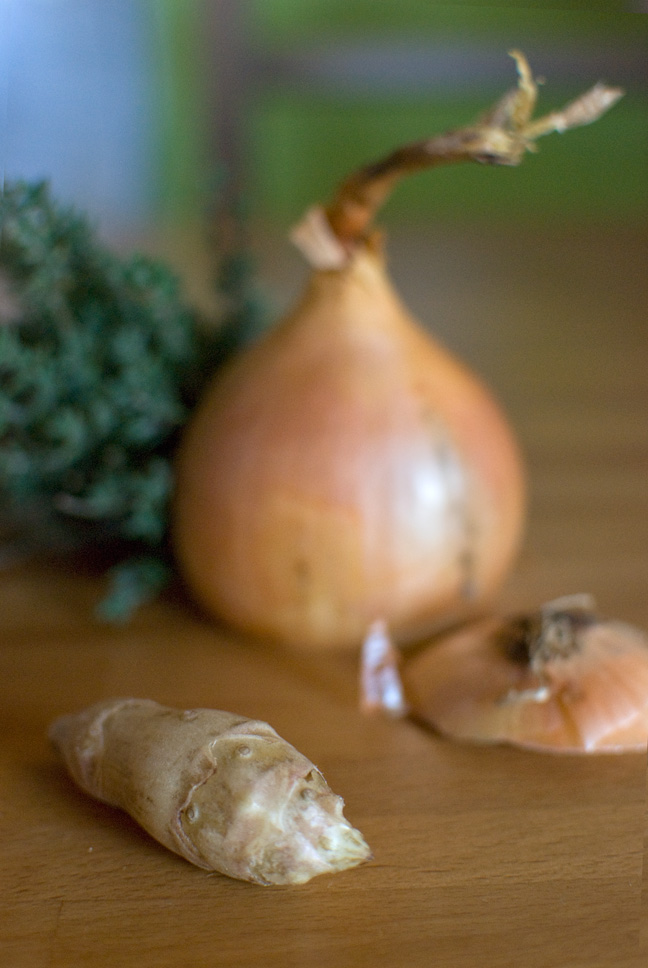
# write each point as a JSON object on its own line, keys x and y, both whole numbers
{"x": 225, "y": 792}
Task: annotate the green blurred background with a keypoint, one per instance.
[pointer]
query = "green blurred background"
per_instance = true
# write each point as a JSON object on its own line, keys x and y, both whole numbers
{"x": 301, "y": 142}
{"x": 136, "y": 108}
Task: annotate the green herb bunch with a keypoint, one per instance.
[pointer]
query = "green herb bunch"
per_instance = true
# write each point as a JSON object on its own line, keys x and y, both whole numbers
{"x": 101, "y": 360}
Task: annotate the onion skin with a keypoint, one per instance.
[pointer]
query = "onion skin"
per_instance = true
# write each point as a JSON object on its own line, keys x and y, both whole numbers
{"x": 584, "y": 691}
{"x": 344, "y": 468}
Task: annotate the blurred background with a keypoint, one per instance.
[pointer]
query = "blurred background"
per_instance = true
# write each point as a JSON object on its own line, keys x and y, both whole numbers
{"x": 135, "y": 109}
{"x": 144, "y": 112}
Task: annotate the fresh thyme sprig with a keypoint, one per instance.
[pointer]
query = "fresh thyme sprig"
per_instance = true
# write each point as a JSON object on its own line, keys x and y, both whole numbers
{"x": 101, "y": 360}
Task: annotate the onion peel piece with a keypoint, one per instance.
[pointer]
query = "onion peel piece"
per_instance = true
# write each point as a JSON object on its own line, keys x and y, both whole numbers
{"x": 381, "y": 688}
{"x": 557, "y": 680}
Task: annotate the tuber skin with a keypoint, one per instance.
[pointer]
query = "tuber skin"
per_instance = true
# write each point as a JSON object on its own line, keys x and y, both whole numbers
{"x": 225, "y": 792}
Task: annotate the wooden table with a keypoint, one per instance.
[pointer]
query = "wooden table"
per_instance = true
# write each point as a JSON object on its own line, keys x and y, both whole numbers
{"x": 482, "y": 857}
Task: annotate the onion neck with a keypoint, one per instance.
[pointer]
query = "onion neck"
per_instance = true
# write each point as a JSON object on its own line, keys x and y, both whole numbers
{"x": 357, "y": 297}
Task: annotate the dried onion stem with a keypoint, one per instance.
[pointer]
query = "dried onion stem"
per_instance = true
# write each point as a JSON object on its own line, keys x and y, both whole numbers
{"x": 501, "y": 137}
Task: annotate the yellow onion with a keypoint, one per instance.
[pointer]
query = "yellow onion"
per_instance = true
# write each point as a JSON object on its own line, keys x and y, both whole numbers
{"x": 560, "y": 679}
{"x": 346, "y": 466}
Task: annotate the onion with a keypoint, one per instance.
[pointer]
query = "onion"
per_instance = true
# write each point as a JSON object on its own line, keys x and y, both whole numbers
{"x": 347, "y": 467}
{"x": 560, "y": 680}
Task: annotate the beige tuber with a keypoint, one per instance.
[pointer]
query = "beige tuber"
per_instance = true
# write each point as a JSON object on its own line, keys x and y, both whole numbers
{"x": 225, "y": 792}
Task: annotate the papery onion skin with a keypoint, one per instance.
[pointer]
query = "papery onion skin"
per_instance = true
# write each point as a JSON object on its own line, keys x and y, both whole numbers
{"x": 472, "y": 686}
{"x": 343, "y": 468}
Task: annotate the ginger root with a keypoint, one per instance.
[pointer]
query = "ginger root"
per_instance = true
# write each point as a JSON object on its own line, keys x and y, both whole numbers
{"x": 225, "y": 792}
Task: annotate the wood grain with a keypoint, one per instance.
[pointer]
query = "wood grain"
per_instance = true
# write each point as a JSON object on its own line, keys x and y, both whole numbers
{"x": 482, "y": 857}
